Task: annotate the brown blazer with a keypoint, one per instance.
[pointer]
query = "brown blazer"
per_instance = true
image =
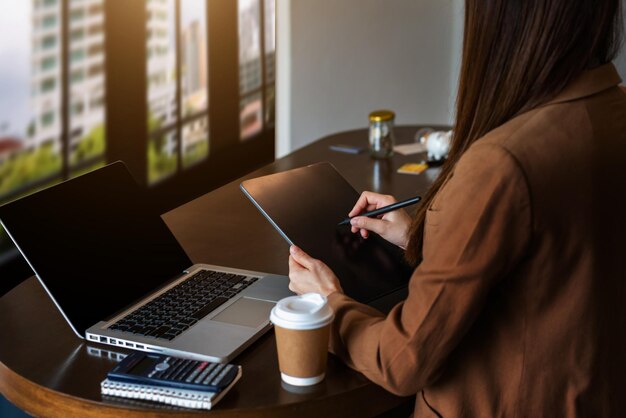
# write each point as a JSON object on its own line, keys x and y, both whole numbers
{"x": 519, "y": 306}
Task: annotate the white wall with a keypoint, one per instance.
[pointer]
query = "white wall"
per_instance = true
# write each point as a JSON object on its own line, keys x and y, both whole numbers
{"x": 338, "y": 60}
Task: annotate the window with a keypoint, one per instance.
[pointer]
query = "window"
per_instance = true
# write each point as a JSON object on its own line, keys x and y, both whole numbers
{"x": 195, "y": 141}
{"x": 30, "y": 129}
{"x": 194, "y": 82}
{"x": 96, "y": 50}
{"x": 47, "y": 118}
{"x": 48, "y": 85}
{"x": 270, "y": 61}
{"x": 48, "y": 63}
{"x": 256, "y": 66}
{"x": 32, "y": 115}
{"x": 87, "y": 142}
{"x": 95, "y": 70}
{"x": 162, "y": 106}
{"x": 96, "y": 101}
{"x": 251, "y": 115}
{"x": 77, "y": 34}
{"x": 49, "y": 42}
{"x": 77, "y": 14}
{"x": 77, "y": 108}
{"x": 77, "y": 55}
{"x": 53, "y": 113}
{"x": 177, "y": 86}
{"x": 49, "y": 21}
{"x": 95, "y": 9}
{"x": 77, "y": 76}
{"x": 95, "y": 29}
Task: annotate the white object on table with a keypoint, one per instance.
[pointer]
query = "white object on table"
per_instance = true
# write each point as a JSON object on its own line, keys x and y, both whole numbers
{"x": 438, "y": 145}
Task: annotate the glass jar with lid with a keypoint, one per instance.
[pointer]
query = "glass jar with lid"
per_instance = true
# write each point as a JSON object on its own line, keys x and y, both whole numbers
{"x": 381, "y": 136}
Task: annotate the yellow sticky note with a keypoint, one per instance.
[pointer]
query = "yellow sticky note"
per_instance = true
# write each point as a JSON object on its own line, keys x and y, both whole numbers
{"x": 412, "y": 168}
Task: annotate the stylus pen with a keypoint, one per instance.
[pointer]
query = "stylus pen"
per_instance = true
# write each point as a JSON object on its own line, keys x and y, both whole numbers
{"x": 385, "y": 209}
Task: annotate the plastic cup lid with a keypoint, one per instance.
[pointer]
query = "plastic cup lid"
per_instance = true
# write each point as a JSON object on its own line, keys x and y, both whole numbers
{"x": 308, "y": 311}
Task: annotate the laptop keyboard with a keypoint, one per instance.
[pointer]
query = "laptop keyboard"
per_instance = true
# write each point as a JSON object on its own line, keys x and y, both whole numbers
{"x": 179, "y": 308}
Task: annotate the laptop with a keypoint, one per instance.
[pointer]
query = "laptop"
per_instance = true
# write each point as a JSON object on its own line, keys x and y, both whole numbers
{"x": 305, "y": 205}
{"x": 119, "y": 277}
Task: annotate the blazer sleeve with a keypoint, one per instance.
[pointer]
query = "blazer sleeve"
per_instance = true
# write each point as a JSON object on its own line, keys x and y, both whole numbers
{"x": 477, "y": 229}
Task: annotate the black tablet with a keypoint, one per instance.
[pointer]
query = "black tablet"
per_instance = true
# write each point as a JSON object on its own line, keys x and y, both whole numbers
{"x": 305, "y": 205}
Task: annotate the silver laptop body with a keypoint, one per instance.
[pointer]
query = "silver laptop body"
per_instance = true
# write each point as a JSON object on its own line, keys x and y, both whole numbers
{"x": 221, "y": 334}
{"x": 105, "y": 258}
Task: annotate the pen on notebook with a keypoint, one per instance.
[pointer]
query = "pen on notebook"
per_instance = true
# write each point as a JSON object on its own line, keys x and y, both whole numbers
{"x": 385, "y": 209}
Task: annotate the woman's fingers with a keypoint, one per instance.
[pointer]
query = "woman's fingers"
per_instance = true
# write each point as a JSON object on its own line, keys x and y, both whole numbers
{"x": 360, "y": 205}
{"x": 370, "y": 201}
{"x": 307, "y": 274}
{"x": 294, "y": 266}
{"x": 369, "y": 224}
{"x": 302, "y": 258}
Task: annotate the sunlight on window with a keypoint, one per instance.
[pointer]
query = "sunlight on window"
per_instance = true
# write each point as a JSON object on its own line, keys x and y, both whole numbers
{"x": 162, "y": 156}
{"x": 194, "y": 68}
{"x": 195, "y": 141}
{"x": 250, "y": 69}
{"x": 194, "y": 81}
{"x": 270, "y": 61}
{"x": 30, "y": 104}
{"x": 162, "y": 103}
{"x": 87, "y": 141}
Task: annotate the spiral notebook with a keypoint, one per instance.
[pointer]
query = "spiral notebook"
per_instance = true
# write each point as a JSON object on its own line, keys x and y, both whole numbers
{"x": 170, "y": 396}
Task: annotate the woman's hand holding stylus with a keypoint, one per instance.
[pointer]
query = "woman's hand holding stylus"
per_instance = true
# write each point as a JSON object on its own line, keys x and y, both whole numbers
{"x": 393, "y": 226}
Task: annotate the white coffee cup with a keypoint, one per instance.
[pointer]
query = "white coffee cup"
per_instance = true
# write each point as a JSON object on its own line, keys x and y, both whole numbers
{"x": 302, "y": 325}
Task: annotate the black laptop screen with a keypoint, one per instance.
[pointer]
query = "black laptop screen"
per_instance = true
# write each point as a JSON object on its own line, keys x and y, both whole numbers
{"x": 95, "y": 243}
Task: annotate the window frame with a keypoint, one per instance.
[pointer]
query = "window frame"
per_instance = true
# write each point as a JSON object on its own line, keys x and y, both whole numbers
{"x": 124, "y": 32}
{"x": 264, "y": 85}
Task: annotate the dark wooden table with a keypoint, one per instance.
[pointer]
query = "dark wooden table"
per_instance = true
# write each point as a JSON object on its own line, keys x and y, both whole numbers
{"x": 47, "y": 371}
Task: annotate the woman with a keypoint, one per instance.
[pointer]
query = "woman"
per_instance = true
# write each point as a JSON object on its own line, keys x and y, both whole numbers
{"x": 517, "y": 306}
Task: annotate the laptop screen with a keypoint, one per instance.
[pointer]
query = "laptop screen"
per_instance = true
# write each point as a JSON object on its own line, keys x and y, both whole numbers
{"x": 95, "y": 243}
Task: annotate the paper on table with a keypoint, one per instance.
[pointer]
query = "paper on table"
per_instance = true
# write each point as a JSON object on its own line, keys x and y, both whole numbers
{"x": 413, "y": 168}
{"x": 408, "y": 149}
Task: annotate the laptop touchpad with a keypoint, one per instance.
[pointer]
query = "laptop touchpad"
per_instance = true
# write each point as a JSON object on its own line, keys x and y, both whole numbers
{"x": 246, "y": 312}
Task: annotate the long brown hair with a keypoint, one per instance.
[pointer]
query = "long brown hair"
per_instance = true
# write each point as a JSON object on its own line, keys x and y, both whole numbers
{"x": 518, "y": 54}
